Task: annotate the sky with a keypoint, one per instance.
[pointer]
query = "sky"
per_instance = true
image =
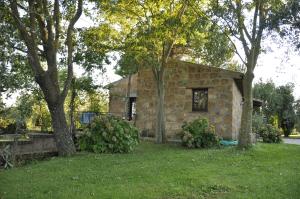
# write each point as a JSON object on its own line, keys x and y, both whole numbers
{"x": 280, "y": 63}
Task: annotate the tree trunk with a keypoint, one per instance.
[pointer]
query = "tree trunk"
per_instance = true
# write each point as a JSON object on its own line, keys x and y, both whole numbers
{"x": 246, "y": 121}
{"x": 64, "y": 141}
{"x": 160, "y": 120}
{"x": 126, "y": 107}
{"x": 72, "y": 109}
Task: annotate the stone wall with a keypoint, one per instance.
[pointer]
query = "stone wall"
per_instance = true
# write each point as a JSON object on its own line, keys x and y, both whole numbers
{"x": 236, "y": 111}
{"x": 224, "y": 98}
{"x": 117, "y": 94}
{"x": 38, "y": 143}
{"x": 180, "y": 79}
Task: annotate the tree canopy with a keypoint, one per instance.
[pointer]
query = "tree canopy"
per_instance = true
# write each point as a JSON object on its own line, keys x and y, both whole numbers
{"x": 149, "y": 33}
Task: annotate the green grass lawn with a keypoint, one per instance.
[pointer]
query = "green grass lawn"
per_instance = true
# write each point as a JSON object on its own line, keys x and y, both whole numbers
{"x": 161, "y": 171}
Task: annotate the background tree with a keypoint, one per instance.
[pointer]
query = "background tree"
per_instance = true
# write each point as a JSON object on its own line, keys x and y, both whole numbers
{"x": 297, "y": 112}
{"x": 14, "y": 70}
{"x": 267, "y": 93}
{"x": 286, "y": 112}
{"x": 278, "y": 104}
{"x": 246, "y": 22}
{"x": 151, "y": 31}
{"x": 41, "y": 37}
{"x": 81, "y": 84}
{"x": 286, "y": 20}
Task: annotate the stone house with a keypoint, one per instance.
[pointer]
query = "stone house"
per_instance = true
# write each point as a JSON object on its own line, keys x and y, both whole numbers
{"x": 191, "y": 91}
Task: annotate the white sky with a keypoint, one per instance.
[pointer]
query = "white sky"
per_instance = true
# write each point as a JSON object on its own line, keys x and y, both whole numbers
{"x": 280, "y": 63}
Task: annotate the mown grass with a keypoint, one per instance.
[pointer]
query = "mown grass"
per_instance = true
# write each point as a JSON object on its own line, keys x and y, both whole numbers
{"x": 161, "y": 171}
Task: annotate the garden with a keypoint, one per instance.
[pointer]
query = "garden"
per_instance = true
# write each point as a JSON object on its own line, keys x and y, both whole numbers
{"x": 113, "y": 163}
{"x": 60, "y": 136}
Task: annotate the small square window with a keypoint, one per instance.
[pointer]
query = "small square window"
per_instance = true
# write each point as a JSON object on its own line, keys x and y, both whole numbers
{"x": 200, "y": 99}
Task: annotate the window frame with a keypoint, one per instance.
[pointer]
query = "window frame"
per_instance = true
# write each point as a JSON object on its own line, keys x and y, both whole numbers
{"x": 194, "y": 109}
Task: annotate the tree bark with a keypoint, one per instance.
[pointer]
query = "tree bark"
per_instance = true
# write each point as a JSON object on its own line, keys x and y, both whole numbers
{"x": 246, "y": 121}
{"x": 160, "y": 110}
{"x": 39, "y": 15}
{"x": 72, "y": 109}
{"x": 64, "y": 141}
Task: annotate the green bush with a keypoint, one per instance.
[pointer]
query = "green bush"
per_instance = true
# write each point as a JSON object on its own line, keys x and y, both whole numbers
{"x": 109, "y": 134}
{"x": 199, "y": 134}
{"x": 258, "y": 122}
{"x": 270, "y": 134}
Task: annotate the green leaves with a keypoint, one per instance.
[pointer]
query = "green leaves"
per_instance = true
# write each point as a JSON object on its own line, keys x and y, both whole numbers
{"x": 199, "y": 134}
{"x": 108, "y": 134}
{"x": 277, "y": 102}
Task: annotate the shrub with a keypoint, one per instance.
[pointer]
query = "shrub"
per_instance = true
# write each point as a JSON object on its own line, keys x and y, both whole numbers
{"x": 270, "y": 134}
{"x": 109, "y": 134}
{"x": 258, "y": 121}
{"x": 199, "y": 134}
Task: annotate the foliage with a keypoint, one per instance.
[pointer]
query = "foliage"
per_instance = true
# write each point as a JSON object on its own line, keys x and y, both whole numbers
{"x": 45, "y": 38}
{"x": 148, "y": 33}
{"x": 108, "y": 134}
{"x": 97, "y": 102}
{"x": 286, "y": 112}
{"x": 258, "y": 120}
{"x": 270, "y": 134}
{"x": 297, "y": 112}
{"x": 246, "y": 22}
{"x": 286, "y": 20}
{"x": 278, "y": 104}
{"x": 40, "y": 117}
{"x": 9, "y": 128}
{"x": 199, "y": 134}
{"x": 14, "y": 69}
{"x": 267, "y": 93}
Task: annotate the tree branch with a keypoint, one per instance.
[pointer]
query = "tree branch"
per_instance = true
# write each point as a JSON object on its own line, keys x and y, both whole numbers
{"x": 257, "y": 41}
{"x": 32, "y": 52}
{"x": 57, "y": 22}
{"x": 254, "y": 22}
{"x": 167, "y": 52}
{"x": 42, "y": 26}
{"x": 241, "y": 24}
{"x": 49, "y": 22}
{"x": 69, "y": 43}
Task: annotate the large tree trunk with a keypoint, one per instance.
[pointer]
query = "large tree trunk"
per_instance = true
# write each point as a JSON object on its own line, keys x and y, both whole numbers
{"x": 64, "y": 141}
{"x": 246, "y": 121}
{"x": 160, "y": 119}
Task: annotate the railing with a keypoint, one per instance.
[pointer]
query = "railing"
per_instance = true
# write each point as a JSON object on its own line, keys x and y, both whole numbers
{"x": 86, "y": 117}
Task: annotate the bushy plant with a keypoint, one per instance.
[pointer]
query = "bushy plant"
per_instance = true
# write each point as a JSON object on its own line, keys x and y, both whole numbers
{"x": 109, "y": 134}
{"x": 258, "y": 121}
{"x": 199, "y": 134}
{"x": 270, "y": 134}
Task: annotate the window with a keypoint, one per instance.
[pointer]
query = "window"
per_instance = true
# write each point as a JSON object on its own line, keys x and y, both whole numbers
{"x": 200, "y": 99}
{"x": 87, "y": 117}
